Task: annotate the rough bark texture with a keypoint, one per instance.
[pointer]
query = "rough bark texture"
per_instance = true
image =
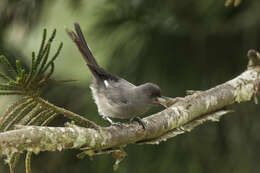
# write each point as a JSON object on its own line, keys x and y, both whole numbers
{"x": 187, "y": 113}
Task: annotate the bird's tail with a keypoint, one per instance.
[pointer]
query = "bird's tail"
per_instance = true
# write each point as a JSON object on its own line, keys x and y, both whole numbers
{"x": 79, "y": 40}
{"x": 98, "y": 72}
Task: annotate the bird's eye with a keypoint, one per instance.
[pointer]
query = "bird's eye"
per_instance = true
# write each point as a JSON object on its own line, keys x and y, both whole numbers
{"x": 155, "y": 94}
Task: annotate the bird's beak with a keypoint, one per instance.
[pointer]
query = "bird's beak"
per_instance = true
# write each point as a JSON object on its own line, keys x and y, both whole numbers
{"x": 161, "y": 100}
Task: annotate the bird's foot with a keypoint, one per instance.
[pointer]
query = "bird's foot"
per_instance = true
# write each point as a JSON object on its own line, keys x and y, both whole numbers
{"x": 139, "y": 120}
{"x": 112, "y": 122}
{"x": 119, "y": 124}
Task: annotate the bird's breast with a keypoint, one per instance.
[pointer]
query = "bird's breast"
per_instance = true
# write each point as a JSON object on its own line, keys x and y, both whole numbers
{"x": 107, "y": 107}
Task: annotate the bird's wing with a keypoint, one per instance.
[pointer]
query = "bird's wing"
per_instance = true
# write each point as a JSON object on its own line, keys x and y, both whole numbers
{"x": 117, "y": 91}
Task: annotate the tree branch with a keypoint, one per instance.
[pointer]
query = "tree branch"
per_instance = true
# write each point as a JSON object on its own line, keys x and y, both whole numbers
{"x": 187, "y": 113}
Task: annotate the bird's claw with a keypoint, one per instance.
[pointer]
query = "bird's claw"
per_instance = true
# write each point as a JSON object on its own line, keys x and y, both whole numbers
{"x": 139, "y": 120}
{"x": 112, "y": 122}
{"x": 119, "y": 124}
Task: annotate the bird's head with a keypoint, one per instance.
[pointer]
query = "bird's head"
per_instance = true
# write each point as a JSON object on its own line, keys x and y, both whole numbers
{"x": 152, "y": 92}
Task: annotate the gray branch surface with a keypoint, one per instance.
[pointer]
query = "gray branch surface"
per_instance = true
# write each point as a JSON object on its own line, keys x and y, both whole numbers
{"x": 187, "y": 113}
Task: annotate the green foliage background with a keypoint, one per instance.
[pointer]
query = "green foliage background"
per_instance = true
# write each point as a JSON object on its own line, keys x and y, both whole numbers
{"x": 180, "y": 45}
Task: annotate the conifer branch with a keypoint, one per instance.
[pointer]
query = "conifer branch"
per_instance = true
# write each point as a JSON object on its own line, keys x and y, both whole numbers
{"x": 32, "y": 109}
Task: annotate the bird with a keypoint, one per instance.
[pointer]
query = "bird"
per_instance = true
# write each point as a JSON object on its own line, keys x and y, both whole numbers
{"x": 114, "y": 96}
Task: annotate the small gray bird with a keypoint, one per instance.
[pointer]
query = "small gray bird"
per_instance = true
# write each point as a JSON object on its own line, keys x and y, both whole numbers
{"x": 114, "y": 96}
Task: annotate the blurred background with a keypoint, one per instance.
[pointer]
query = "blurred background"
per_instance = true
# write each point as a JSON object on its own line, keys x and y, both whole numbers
{"x": 179, "y": 45}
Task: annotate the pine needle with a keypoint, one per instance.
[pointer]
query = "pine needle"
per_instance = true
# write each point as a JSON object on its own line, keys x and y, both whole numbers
{"x": 10, "y": 68}
{"x": 21, "y": 114}
{"x": 11, "y": 111}
{"x": 53, "y": 58}
{"x": 5, "y": 77}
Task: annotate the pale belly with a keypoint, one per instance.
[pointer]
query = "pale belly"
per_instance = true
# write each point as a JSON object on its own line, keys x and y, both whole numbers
{"x": 122, "y": 111}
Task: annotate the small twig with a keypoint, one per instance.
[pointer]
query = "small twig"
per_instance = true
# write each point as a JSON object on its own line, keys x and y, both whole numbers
{"x": 68, "y": 114}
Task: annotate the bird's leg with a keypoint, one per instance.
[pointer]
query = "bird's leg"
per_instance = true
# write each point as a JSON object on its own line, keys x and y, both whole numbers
{"x": 139, "y": 120}
{"x": 112, "y": 122}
